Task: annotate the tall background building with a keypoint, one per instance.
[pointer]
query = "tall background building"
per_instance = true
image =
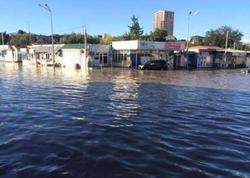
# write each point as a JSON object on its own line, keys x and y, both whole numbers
{"x": 164, "y": 20}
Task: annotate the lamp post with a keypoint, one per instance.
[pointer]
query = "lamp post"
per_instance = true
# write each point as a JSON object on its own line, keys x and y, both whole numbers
{"x": 3, "y": 38}
{"x": 226, "y": 46}
{"x": 84, "y": 28}
{"x": 188, "y": 34}
{"x": 47, "y": 8}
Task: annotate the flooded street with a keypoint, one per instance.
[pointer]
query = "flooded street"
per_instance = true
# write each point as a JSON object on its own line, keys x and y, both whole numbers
{"x": 123, "y": 123}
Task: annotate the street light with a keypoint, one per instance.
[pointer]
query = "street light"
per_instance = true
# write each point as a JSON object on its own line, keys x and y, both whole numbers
{"x": 84, "y": 28}
{"x": 47, "y": 8}
{"x": 188, "y": 34}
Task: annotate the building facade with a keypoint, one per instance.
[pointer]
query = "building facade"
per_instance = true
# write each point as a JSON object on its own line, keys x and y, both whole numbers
{"x": 197, "y": 40}
{"x": 134, "y": 53}
{"x": 43, "y": 54}
{"x": 164, "y": 20}
{"x": 214, "y": 57}
{"x": 9, "y": 53}
{"x": 73, "y": 56}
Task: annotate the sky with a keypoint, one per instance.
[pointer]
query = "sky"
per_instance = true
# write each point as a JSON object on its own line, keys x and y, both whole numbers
{"x": 113, "y": 16}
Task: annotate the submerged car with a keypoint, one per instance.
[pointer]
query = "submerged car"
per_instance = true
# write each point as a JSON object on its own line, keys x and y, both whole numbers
{"x": 154, "y": 65}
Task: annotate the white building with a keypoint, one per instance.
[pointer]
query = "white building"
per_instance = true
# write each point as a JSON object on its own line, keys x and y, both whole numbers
{"x": 43, "y": 54}
{"x": 134, "y": 53}
{"x": 73, "y": 56}
{"x": 215, "y": 57}
{"x": 26, "y": 55}
{"x": 8, "y": 53}
{"x": 203, "y": 57}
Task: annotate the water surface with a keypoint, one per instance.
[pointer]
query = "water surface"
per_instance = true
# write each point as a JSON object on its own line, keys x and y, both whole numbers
{"x": 121, "y": 123}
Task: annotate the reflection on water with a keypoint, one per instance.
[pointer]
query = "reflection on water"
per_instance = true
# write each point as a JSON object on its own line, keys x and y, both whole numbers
{"x": 219, "y": 79}
{"x": 123, "y": 123}
{"x": 123, "y": 101}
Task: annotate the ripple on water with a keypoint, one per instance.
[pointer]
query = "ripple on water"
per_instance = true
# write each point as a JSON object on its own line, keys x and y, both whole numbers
{"x": 123, "y": 124}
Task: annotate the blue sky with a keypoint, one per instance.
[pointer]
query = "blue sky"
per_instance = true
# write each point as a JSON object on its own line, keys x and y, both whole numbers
{"x": 113, "y": 16}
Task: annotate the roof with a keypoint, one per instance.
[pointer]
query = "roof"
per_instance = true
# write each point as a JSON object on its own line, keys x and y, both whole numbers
{"x": 74, "y": 46}
{"x": 47, "y": 48}
{"x": 7, "y": 47}
{"x": 206, "y": 47}
{"x": 197, "y": 36}
{"x": 99, "y": 48}
{"x": 232, "y": 51}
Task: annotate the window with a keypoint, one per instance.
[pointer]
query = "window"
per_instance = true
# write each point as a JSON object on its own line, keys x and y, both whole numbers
{"x": 97, "y": 57}
{"x": 105, "y": 58}
{"x": 101, "y": 59}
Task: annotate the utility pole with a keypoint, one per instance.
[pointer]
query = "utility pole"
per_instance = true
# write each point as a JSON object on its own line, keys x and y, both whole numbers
{"x": 47, "y": 8}
{"x": 2, "y": 38}
{"x": 30, "y": 42}
{"x": 188, "y": 34}
{"x": 84, "y": 28}
{"x": 226, "y": 46}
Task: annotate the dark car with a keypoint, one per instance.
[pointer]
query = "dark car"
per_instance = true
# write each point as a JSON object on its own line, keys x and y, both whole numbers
{"x": 154, "y": 65}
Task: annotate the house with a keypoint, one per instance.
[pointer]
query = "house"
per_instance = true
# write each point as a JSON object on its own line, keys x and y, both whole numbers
{"x": 233, "y": 58}
{"x": 197, "y": 40}
{"x": 43, "y": 54}
{"x": 248, "y": 59}
{"x": 215, "y": 57}
{"x": 9, "y": 53}
{"x": 134, "y": 53}
{"x": 203, "y": 57}
{"x": 99, "y": 55}
{"x": 26, "y": 55}
{"x": 73, "y": 56}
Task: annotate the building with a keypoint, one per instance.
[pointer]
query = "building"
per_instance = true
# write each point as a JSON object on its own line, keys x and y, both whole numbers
{"x": 134, "y": 53}
{"x": 73, "y": 56}
{"x": 43, "y": 54}
{"x": 203, "y": 57}
{"x": 99, "y": 55}
{"x": 9, "y": 53}
{"x": 26, "y": 55}
{"x": 164, "y": 20}
{"x": 215, "y": 57}
{"x": 198, "y": 40}
{"x": 233, "y": 58}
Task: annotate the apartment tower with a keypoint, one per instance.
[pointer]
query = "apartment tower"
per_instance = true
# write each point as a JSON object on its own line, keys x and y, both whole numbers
{"x": 164, "y": 20}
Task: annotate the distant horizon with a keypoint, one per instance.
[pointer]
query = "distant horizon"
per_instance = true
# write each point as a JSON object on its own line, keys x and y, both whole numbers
{"x": 113, "y": 17}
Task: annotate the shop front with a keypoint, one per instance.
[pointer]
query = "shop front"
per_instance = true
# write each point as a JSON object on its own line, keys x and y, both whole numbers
{"x": 135, "y": 53}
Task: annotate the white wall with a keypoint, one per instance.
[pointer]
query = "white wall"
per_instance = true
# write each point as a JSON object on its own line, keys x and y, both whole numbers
{"x": 72, "y": 57}
{"x": 125, "y": 45}
{"x": 11, "y": 53}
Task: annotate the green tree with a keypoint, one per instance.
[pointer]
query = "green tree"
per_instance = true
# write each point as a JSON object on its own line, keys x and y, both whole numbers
{"x": 159, "y": 35}
{"x": 19, "y": 40}
{"x": 135, "y": 30}
{"x": 217, "y": 37}
{"x": 72, "y": 38}
{"x": 6, "y": 38}
{"x": 107, "y": 39}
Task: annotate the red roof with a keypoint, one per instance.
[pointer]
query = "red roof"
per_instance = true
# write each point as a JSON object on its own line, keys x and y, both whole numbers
{"x": 206, "y": 47}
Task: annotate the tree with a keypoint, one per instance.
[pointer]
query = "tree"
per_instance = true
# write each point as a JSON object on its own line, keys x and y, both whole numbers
{"x": 6, "y": 38}
{"x": 159, "y": 35}
{"x": 72, "y": 38}
{"x": 20, "y": 40}
{"x": 135, "y": 30}
{"x": 107, "y": 39}
{"x": 217, "y": 37}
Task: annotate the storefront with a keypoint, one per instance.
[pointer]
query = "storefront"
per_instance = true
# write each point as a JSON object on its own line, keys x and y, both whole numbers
{"x": 134, "y": 53}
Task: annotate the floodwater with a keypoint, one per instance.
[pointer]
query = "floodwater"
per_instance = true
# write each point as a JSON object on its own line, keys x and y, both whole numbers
{"x": 121, "y": 123}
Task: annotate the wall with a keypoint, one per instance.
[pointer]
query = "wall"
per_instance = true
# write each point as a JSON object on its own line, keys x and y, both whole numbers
{"x": 72, "y": 57}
